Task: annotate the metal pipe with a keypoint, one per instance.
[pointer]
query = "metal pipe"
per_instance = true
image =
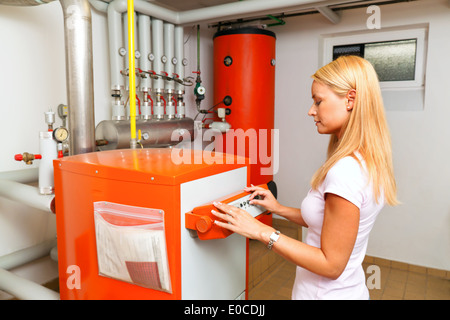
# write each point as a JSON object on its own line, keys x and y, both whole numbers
{"x": 155, "y": 133}
{"x": 79, "y": 74}
{"x": 28, "y": 195}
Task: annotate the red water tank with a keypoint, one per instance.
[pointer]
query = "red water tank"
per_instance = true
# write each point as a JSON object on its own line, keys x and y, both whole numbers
{"x": 244, "y": 70}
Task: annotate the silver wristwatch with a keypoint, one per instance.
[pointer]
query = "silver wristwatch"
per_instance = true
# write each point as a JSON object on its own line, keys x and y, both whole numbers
{"x": 273, "y": 238}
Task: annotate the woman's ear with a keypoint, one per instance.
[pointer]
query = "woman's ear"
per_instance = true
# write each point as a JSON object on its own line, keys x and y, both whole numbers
{"x": 351, "y": 95}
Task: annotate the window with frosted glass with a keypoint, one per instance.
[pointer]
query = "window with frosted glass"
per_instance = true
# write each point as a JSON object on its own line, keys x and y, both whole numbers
{"x": 392, "y": 60}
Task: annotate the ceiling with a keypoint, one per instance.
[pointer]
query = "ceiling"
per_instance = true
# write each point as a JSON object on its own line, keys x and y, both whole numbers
{"x": 182, "y": 5}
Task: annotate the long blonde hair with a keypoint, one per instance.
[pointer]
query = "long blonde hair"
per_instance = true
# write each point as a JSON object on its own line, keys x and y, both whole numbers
{"x": 366, "y": 130}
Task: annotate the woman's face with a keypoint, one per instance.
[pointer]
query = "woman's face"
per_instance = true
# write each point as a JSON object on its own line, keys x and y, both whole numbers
{"x": 330, "y": 111}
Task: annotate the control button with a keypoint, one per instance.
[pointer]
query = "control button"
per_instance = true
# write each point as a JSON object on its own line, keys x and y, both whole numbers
{"x": 203, "y": 224}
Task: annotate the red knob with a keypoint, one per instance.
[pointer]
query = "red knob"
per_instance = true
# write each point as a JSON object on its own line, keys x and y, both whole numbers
{"x": 203, "y": 224}
{"x": 18, "y": 157}
{"x": 38, "y": 156}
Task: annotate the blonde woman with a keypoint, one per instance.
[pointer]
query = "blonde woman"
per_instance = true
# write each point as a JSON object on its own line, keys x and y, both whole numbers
{"x": 348, "y": 190}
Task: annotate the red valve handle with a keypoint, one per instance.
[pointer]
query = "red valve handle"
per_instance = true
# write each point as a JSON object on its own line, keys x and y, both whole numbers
{"x": 19, "y": 157}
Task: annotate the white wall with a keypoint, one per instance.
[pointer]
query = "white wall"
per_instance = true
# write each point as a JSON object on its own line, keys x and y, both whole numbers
{"x": 417, "y": 231}
{"x": 33, "y": 81}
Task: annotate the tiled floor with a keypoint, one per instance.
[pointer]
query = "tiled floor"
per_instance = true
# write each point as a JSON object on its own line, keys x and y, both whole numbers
{"x": 398, "y": 282}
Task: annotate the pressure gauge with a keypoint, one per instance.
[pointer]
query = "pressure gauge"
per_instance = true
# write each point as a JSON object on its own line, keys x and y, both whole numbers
{"x": 60, "y": 134}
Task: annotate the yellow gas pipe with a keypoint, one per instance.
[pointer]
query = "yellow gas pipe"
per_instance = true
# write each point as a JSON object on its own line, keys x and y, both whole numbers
{"x": 132, "y": 73}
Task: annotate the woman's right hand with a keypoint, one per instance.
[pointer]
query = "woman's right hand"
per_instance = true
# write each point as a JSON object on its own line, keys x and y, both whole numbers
{"x": 264, "y": 198}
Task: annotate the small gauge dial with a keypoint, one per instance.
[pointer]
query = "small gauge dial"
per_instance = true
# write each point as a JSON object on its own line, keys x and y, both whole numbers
{"x": 60, "y": 134}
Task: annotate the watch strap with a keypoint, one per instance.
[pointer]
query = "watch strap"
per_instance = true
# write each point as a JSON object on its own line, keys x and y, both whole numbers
{"x": 273, "y": 238}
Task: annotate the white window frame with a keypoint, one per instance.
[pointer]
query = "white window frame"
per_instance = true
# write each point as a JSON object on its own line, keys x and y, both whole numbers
{"x": 393, "y": 91}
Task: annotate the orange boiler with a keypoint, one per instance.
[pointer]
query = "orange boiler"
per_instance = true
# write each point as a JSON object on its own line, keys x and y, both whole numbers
{"x": 131, "y": 225}
{"x": 244, "y": 70}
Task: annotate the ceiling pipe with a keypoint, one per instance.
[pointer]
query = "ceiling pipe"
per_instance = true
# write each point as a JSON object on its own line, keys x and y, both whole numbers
{"x": 234, "y": 10}
{"x": 329, "y": 14}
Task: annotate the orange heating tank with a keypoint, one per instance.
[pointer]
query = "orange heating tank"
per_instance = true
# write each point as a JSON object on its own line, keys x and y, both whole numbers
{"x": 244, "y": 72}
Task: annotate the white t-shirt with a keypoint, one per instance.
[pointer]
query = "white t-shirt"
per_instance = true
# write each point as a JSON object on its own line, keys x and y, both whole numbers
{"x": 347, "y": 180}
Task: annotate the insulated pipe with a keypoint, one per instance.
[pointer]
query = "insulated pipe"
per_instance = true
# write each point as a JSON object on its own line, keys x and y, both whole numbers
{"x": 79, "y": 74}
{"x": 144, "y": 63}
{"x": 115, "y": 10}
{"x": 169, "y": 68}
{"x": 116, "y": 56}
{"x": 179, "y": 70}
{"x": 169, "y": 55}
{"x": 23, "y": 176}
{"x": 21, "y": 257}
{"x": 126, "y": 24}
{"x": 144, "y": 49}
{"x": 24, "y": 289}
{"x": 28, "y": 195}
{"x": 233, "y": 10}
{"x": 157, "y": 46}
{"x": 179, "y": 55}
{"x": 127, "y": 53}
{"x": 158, "y": 82}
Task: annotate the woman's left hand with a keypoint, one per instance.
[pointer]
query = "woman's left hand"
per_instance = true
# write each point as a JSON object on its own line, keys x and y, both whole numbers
{"x": 240, "y": 221}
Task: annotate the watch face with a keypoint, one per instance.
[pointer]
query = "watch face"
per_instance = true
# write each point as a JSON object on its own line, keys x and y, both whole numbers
{"x": 274, "y": 236}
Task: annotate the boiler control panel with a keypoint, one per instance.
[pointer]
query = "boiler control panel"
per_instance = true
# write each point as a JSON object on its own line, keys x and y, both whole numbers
{"x": 243, "y": 203}
{"x": 201, "y": 219}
